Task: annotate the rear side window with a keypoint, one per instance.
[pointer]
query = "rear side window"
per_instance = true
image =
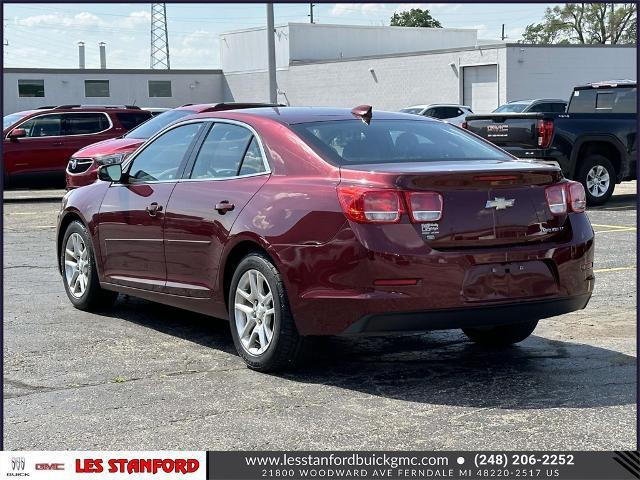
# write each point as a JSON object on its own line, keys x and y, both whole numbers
{"x": 161, "y": 159}
{"x": 85, "y": 123}
{"x": 44, "y": 126}
{"x": 346, "y": 142}
{"x": 130, "y": 120}
{"x": 222, "y": 152}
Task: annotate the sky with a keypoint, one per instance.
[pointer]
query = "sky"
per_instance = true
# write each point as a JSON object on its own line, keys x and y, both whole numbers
{"x": 46, "y": 35}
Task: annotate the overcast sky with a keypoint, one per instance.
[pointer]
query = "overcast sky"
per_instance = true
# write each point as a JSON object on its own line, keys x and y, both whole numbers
{"x": 46, "y": 35}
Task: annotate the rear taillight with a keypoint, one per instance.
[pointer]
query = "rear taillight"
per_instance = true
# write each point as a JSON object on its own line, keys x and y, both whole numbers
{"x": 365, "y": 205}
{"x": 545, "y": 132}
{"x": 465, "y": 125}
{"x": 566, "y": 197}
{"x": 577, "y": 197}
{"x": 424, "y": 206}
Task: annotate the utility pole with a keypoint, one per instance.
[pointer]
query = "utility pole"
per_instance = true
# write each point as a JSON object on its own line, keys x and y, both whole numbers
{"x": 159, "y": 37}
{"x": 503, "y": 32}
{"x": 311, "y": 5}
{"x": 271, "y": 55}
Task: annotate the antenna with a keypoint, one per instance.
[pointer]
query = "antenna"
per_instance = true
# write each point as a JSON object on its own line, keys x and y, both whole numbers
{"x": 159, "y": 37}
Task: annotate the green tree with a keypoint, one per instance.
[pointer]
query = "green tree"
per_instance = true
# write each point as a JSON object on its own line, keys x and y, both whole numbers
{"x": 591, "y": 23}
{"x": 416, "y": 17}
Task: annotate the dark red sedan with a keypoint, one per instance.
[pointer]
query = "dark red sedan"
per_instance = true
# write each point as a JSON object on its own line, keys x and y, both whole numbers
{"x": 294, "y": 222}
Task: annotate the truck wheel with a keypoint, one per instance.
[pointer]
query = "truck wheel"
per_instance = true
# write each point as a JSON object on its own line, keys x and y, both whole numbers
{"x": 501, "y": 335}
{"x": 598, "y": 177}
{"x": 262, "y": 326}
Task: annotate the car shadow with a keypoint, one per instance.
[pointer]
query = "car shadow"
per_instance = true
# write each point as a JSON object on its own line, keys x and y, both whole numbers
{"x": 440, "y": 368}
{"x": 620, "y": 203}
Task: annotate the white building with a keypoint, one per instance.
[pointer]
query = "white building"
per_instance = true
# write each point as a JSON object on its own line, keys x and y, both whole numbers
{"x": 342, "y": 65}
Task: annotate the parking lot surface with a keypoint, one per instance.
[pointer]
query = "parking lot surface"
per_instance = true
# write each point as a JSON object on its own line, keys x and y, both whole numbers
{"x": 145, "y": 376}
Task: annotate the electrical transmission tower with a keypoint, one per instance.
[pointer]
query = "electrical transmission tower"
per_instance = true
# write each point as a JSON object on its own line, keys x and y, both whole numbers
{"x": 159, "y": 37}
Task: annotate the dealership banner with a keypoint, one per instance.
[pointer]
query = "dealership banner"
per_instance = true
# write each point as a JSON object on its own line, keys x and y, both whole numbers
{"x": 103, "y": 465}
{"x": 418, "y": 465}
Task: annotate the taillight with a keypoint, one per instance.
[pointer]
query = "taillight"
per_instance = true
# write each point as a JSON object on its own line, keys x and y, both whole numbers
{"x": 556, "y": 198}
{"x": 465, "y": 125}
{"x": 424, "y": 206}
{"x": 545, "y": 132}
{"x": 577, "y": 197}
{"x": 568, "y": 196}
{"x": 364, "y": 205}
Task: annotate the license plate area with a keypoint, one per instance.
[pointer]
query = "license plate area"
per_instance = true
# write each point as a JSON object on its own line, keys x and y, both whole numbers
{"x": 509, "y": 281}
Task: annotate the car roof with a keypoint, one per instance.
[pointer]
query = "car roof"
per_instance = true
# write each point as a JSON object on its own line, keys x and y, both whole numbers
{"x": 220, "y": 106}
{"x": 294, "y": 115}
{"x": 428, "y": 105}
{"x": 608, "y": 83}
{"x": 538, "y": 100}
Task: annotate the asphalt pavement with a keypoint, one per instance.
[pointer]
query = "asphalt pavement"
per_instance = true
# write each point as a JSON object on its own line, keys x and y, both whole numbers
{"x": 145, "y": 376}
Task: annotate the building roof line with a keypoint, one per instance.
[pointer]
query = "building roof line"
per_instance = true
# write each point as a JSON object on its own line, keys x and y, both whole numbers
{"x": 107, "y": 71}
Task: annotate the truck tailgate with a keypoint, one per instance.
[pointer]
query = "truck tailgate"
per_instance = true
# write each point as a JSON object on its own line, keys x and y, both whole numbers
{"x": 507, "y": 129}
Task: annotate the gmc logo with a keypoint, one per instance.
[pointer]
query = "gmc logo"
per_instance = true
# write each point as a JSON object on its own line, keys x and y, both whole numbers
{"x": 49, "y": 466}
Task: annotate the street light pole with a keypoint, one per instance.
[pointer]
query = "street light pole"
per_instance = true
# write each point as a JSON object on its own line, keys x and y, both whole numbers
{"x": 271, "y": 48}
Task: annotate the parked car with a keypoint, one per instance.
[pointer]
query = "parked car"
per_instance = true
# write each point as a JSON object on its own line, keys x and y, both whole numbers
{"x": 450, "y": 113}
{"x": 155, "y": 110}
{"x": 552, "y": 105}
{"x": 83, "y": 166}
{"x": 315, "y": 221}
{"x": 40, "y": 142}
{"x": 594, "y": 142}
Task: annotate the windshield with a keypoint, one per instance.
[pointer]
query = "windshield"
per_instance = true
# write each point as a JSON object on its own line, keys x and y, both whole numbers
{"x": 9, "y": 120}
{"x": 414, "y": 110}
{"x": 511, "y": 108}
{"x": 347, "y": 142}
{"x": 157, "y": 123}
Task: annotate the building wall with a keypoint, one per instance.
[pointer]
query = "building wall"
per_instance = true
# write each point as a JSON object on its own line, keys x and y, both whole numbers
{"x": 552, "y": 72}
{"x": 125, "y": 87}
{"x": 395, "y": 82}
{"x": 246, "y": 50}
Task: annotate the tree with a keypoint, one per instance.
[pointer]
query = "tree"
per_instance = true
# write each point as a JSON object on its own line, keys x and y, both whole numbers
{"x": 416, "y": 17}
{"x": 591, "y": 23}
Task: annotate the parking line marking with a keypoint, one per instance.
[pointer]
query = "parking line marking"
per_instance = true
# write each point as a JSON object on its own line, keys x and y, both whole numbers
{"x": 612, "y": 226}
{"x": 628, "y": 229}
{"x": 615, "y": 269}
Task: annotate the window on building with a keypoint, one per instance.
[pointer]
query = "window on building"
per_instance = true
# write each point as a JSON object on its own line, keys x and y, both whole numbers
{"x": 31, "y": 88}
{"x": 159, "y": 88}
{"x": 96, "y": 88}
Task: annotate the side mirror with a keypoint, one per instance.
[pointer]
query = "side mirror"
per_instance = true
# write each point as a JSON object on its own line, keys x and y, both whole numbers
{"x": 110, "y": 173}
{"x": 17, "y": 133}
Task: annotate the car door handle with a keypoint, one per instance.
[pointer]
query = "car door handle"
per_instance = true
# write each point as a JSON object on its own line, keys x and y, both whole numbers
{"x": 224, "y": 207}
{"x": 153, "y": 209}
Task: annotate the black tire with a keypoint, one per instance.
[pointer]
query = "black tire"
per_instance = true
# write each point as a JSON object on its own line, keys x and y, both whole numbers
{"x": 285, "y": 347}
{"x": 94, "y": 297}
{"x": 501, "y": 335}
{"x": 585, "y": 167}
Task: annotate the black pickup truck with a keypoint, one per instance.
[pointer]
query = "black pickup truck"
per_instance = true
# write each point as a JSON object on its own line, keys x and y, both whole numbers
{"x": 594, "y": 142}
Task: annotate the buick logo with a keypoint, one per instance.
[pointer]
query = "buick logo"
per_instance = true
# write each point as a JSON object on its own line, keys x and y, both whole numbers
{"x": 500, "y": 203}
{"x": 17, "y": 467}
{"x": 73, "y": 164}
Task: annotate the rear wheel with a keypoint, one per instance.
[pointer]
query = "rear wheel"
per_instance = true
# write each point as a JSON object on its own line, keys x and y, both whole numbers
{"x": 598, "y": 176}
{"x": 79, "y": 271}
{"x": 501, "y": 335}
{"x": 262, "y": 326}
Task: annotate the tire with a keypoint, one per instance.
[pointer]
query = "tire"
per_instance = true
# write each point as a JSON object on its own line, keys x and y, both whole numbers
{"x": 260, "y": 351}
{"x": 593, "y": 170}
{"x": 501, "y": 335}
{"x": 92, "y": 297}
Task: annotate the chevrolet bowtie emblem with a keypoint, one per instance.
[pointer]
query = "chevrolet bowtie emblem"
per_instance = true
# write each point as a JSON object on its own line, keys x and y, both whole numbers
{"x": 500, "y": 203}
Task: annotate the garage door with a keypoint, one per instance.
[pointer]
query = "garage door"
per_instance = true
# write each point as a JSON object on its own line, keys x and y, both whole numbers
{"x": 481, "y": 88}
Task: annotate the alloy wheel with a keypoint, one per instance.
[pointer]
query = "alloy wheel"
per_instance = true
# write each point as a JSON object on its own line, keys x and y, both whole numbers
{"x": 76, "y": 265}
{"x": 254, "y": 312}
{"x": 598, "y": 181}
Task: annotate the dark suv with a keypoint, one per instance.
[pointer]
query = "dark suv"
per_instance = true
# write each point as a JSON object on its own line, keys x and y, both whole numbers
{"x": 41, "y": 141}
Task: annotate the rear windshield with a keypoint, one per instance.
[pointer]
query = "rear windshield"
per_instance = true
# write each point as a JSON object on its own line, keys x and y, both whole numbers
{"x": 603, "y": 100}
{"x": 511, "y": 108}
{"x": 350, "y": 142}
{"x": 157, "y": 123}
{"x": 9, "y": 120}
{"x": 413, "y": 110}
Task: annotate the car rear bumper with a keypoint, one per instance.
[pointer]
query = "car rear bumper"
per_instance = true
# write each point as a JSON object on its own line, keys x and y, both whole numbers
{"x": 331, "y": 287}
{"x": 467, "y": 317}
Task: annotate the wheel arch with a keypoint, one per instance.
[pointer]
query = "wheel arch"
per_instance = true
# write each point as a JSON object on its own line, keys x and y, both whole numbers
{"x": 605, "y": 145}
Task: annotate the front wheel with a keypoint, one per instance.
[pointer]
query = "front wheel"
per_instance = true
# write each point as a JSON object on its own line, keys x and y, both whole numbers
{"x": 598, "y": 177}
{"x": 501, "y": 335}
{"x": 262, "y": 326}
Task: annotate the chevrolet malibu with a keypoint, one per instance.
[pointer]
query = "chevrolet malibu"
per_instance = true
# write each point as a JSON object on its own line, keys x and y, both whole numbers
{"x": 295, "y": 222}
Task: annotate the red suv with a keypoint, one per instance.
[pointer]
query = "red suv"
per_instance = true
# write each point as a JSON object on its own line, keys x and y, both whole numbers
{"x": 40, "y": 141}
{"x": 83, "y": 165}
{"x": 295, "y": 222}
